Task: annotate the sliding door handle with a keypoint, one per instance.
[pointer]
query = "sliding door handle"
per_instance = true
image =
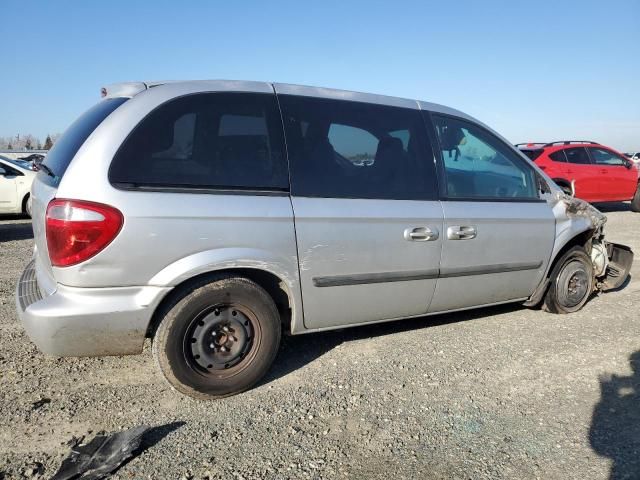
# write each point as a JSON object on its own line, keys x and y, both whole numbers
{"x": 461, "y": 232}
{"x": 421, "y": 234}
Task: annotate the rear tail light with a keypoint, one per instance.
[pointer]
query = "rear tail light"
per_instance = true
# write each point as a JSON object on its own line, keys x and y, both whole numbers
{"x": 78, "y": 230}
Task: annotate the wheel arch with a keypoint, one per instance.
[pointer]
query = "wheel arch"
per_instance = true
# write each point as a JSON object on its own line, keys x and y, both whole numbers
{"x": 275, "y": 287}
{"x": 582, "y": 239}
{"x": 564, "y": 183}
{"x": 561, "y": 181}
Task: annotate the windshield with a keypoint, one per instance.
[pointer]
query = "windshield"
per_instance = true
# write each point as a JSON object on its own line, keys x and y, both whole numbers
{"x": 68, "y": 145}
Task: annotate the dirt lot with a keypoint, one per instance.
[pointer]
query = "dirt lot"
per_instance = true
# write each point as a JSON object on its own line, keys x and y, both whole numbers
{"x": 503, "y": 392}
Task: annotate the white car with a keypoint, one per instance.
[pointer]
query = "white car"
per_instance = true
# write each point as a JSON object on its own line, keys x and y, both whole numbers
{"x": 16, "y": 177}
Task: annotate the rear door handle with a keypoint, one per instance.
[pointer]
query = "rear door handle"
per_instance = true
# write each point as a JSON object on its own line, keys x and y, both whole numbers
{"x": 461, "y": 232}
{"x": 421, "y": 234}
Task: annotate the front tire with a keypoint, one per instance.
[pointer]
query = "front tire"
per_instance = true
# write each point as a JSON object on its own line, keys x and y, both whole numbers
{"x": 218, "y": 338}
{"x": 571, "y": 282}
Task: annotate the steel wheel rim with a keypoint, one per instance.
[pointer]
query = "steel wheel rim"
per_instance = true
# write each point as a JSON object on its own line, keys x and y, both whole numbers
{"x": 573, "y": 284}
{"x": 221, "y": 340}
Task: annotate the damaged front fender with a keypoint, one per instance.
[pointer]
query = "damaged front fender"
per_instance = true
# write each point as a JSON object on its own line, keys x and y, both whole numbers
{"x": 577, "y": 218}
{"x": 611, "y": 261}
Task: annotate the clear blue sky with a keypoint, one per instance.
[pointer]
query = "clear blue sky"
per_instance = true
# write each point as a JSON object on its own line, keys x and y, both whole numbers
{"x": 540, "y": 70}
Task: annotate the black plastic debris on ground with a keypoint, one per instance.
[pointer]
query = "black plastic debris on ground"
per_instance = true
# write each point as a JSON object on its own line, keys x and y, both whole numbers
{"x": 105, "y": 453}
{"x": 100, "y": 456}
{"x": 40, "y": 403}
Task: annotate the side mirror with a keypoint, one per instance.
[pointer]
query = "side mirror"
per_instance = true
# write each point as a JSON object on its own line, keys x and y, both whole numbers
{"x": 628, "y": 164}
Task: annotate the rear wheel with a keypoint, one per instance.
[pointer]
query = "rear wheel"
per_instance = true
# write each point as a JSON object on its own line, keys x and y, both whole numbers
{"x": 218, "y": 339}
{"x": 571, "y": 282}
{"x": 635, "y": 202}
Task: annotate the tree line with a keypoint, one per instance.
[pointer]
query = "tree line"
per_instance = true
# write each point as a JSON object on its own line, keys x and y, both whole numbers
{"x": 27, "y": 142}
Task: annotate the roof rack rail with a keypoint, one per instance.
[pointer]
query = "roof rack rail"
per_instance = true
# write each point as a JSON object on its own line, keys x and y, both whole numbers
{"x": 568, "y": 142}
{"x": 530, "y": 144}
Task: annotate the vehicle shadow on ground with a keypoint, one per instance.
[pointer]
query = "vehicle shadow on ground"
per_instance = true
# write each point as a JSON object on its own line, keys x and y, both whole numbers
{"x": 615, "y": 424}
{"x": 297, "y": 351}
{"x": 15, "y": 231}
{"x": 613, "y": 207}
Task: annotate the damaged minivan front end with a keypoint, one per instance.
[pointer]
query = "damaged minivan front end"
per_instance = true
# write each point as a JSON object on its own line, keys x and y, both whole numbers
{"x": 611, "y": 261}
{"x": 580, "y": 223}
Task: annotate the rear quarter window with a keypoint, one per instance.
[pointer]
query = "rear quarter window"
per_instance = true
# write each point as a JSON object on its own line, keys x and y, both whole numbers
{"x": 558, "y": 156}
{"x": 63, "y": 151}
{"x": 532, "y": 154}
{"x": 222, "y": 141}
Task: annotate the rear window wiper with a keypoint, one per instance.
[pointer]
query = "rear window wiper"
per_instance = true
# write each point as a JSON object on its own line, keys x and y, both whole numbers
{"x": 47, "y": 170}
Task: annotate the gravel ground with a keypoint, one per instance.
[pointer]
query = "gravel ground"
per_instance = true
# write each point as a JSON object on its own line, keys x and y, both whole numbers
{"x": 503, "y": 392}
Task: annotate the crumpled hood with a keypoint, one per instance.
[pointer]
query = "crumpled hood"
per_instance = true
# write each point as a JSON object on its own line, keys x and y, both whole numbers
{"x": 576, "y": 207}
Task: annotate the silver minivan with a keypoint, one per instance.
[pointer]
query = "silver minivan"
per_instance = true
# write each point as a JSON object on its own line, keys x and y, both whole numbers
{"x": 214, "y": 216}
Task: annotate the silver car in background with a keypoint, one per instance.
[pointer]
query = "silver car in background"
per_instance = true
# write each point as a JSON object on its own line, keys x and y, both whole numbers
{"x": 213, "y": 216}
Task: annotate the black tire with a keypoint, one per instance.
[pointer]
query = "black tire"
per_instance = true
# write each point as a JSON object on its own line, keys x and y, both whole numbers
{"x": 635, "y": 202}
{"x": 26, "y": 205}
{"x": 217, "y": 313}
{"x": 571, "y": 282}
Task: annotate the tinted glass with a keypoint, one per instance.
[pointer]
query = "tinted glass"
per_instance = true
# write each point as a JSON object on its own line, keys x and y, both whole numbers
{"x": 9, "y": 171}
{"x": 558, "y": 156}
{"x": 18, "y": 163}
{"x": 479, "y": 165}
{"x": 212, "y": 140}
{"x": 355, "y": 144}
{"x": 605, "y": 157}
{"x": 69, "y": 143}
{"x": 532, "y": 154}
{"x": 342, "y": 149}
{"x": 577, "y": 155}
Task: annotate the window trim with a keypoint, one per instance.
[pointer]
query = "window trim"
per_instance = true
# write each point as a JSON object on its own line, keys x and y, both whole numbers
{"x": 210, "y": 190}
{"x": 428, "y": 117}
{"x": 132, "y": 187}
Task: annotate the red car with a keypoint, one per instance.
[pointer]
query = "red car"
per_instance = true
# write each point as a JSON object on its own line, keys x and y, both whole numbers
{"x": 587, "y": 170}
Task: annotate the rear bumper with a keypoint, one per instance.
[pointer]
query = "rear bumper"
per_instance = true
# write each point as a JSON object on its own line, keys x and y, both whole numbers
{"x": 86, "y": 321}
